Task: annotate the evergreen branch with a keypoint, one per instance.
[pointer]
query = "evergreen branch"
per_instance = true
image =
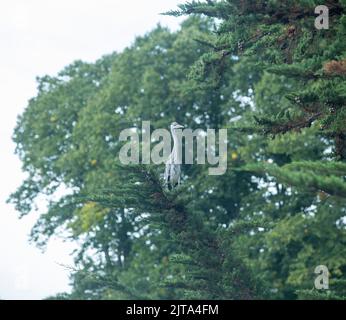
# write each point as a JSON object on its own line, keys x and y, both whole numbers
{"x": 275, "y": 127}
{"x": 317, "y": 295}
{"x": 310, "y": 181}
{"x": 185, "y": 227}
{"x": 210, "y": 8}
{"x": 324, "y": 168}
{"x": 105, "y": 282}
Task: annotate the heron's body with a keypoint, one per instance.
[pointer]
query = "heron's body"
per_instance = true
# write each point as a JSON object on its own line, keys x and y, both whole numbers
{"x": 172, "y": 173}
{"x": 173, "y": 164}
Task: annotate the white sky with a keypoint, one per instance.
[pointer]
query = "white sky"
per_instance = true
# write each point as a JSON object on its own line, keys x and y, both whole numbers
{"x": 39, "y": 37}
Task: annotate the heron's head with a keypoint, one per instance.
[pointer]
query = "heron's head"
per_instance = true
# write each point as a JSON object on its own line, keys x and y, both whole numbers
{"x": 175, "y": 126}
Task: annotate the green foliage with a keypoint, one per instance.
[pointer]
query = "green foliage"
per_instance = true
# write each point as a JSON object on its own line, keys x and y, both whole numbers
{"x": 310, "y": 176}
{"x": 260, "y": 69}
{"x": 299, "y": 93}
{"x": 282, "y": 36}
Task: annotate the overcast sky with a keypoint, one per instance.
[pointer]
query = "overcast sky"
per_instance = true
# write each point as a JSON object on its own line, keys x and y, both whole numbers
{"x": 40, "y": 37}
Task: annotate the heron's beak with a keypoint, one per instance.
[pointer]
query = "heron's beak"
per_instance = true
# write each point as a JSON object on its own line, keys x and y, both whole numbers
{"x": 179, "y": 126}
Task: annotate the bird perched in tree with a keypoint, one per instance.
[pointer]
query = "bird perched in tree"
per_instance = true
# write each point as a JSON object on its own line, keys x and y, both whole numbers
{"x": 173, "y": 164}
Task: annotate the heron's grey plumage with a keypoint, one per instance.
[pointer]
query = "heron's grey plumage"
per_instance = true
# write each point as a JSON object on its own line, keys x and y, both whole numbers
{"x": 173, "y": 165}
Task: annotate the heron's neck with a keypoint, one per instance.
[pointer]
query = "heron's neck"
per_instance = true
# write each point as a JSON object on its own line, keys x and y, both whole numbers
{"x": 176, "y": 147}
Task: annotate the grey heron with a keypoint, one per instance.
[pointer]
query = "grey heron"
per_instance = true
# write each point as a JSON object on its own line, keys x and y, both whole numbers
{"x": 173, "y": 164}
